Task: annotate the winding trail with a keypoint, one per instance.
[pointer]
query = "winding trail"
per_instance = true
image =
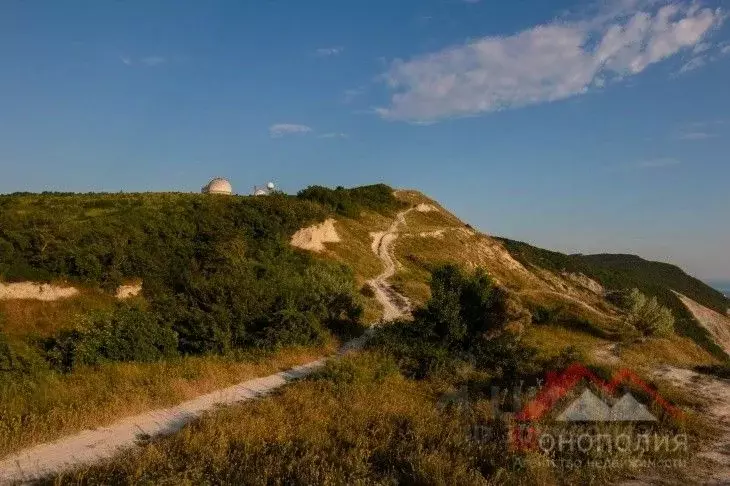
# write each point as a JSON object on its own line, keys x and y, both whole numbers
{"x": 92, "y": 445}
{"x": 394, "y": 304}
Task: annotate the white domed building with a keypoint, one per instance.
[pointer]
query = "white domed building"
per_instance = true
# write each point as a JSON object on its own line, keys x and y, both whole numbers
{"x": 218, "y": 185}
{"x": 264, "y": 191}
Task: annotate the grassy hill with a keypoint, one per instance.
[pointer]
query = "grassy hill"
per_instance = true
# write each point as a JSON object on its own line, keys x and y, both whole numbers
{"x": 616, "y": 272}
{"x": 225, "y": 297}
{"x": 222, "y": 289}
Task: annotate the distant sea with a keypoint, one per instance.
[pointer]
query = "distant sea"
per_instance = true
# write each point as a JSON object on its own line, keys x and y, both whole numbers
{"x": 722, "y": 286}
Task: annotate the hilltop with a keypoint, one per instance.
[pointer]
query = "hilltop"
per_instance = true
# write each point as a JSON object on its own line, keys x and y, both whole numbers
{"x": 153, "y": 299}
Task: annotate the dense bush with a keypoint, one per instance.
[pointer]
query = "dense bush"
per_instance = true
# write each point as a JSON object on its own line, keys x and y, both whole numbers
{"x": 127, "y": 334}
{"x": 349, "y": 202}
{"x": 218, "y": 271}
{"x": 645, "y": 314}
{"x": 462, "y": 322}
{"x": 260, "y": 304}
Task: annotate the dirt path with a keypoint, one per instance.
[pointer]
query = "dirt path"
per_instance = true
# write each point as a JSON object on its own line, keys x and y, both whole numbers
{"x": 89, "y": 446}
{"x": 715, "y": 392}
{"x": 394, "y": 304}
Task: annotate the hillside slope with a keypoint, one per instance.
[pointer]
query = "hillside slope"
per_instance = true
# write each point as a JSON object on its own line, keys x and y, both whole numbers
{"x": 234, "y": 279}
{"x": 616, "y": 272}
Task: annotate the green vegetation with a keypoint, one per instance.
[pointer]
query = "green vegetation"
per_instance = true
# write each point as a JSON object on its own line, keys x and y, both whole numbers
{"x": 218, "y": 271}
{"x": 620, "y": 272}
{"x": 458, "y": 324}
{"x": 127, "y": 334}
{"x": 385, "y": 416}
{"x": 219, "y": 279}
{"x": 350, "y": 202}
{"x": 646, "y": 315}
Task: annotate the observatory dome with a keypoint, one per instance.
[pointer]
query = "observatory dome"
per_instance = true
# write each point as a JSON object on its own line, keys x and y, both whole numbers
{"x": 218, "y": 185}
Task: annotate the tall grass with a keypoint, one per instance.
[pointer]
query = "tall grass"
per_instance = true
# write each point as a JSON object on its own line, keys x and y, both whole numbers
{"x": 43, "y": 407}
{"x": 359, "y": 421}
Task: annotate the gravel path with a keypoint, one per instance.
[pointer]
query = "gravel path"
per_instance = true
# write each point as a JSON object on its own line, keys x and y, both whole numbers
{"x": 89, "y": 446}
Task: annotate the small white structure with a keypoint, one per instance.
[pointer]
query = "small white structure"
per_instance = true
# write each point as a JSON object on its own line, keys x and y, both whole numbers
{"x": 218, "y": 185}
{"x": 264, "y": 191}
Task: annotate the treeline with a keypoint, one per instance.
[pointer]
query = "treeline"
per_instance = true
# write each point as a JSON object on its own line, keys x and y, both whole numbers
{"x": 349, "y": 202}
{"x": 219, "y": 275}
{"x": 622, "y": 272}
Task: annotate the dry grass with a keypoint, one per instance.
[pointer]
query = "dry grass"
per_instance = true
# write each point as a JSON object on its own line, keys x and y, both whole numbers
{"x": 551, "y": 340}
{"x": 33, "y": 317}
{"x": 674, "y": 350}
{"x": 52, "y": 405}
{"x": 359, "y": 422}
{"x": 363, "y": 424}
{"x": 355, "y": 249}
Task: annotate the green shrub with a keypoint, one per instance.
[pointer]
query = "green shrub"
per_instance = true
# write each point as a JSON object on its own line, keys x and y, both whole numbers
{"x": 644, "y": 314}
{"x": 349, "y": 202}
{"x": 19, "y": 358}
{"x": 463, "y": 305}
{"x": 126, "y": 334}
{"x": 505, "y": 355}
{"x": 219, "y": 272}
{"x": 462, "y": 323}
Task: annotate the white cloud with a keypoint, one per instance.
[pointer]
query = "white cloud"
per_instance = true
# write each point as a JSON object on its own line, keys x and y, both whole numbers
{"x": 334, "y": 135}
{"x": 329, "y": 51}
{"x": 657, "y": 163}
{"x": 545, "y": 63}
{"x": 281, "y": 129}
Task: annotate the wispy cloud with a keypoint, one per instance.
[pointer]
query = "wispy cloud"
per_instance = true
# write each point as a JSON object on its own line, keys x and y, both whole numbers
{"x": 692, "y": 64}
{"x": 281, "y": 129}
{"x": 149, "y": 61}
{"x": 329, "y": 51}
{"x": 554, "y": 61}
{"x": 657, "y": 163}
{"x": 153, "y": 61}
{"x": 700, "y": 130}
{"x": 704, "y": 54}
{"x": 349, "y": 95}
{"x": 696, "y": 136}
{"x": 334, "y": 135}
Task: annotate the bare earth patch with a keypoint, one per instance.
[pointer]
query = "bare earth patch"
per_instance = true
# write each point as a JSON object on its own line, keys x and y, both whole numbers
{"x": 35, "y": 291}
{"x": 715, "y": 392}
{"x": 314, "y": 237}
{"x": 128, "y": 291}
{"x": 426, "y": 208}
{"x": 716, "y": 324}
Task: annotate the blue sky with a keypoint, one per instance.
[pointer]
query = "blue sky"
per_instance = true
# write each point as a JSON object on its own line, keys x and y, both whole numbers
{"x": 574, "y": 126}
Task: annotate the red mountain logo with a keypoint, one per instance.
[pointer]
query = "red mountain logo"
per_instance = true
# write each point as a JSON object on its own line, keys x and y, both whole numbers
{"x": 587, "y": 407}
